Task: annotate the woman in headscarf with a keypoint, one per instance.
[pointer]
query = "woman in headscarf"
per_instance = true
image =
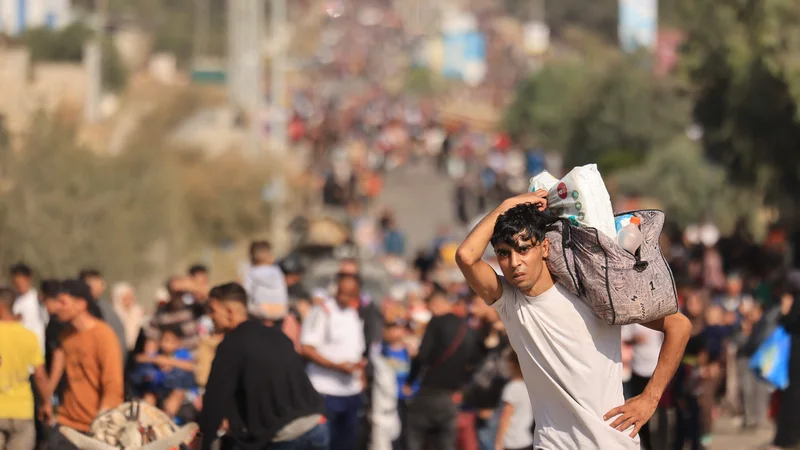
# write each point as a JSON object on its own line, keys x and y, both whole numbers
{"x": 130, "y": 313}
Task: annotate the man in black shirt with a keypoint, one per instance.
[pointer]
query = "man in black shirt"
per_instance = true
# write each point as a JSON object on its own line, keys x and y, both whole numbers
{"x": 53, "y": 355}
{"x": 258, "y": 384}
{"x": 448, "y": 352}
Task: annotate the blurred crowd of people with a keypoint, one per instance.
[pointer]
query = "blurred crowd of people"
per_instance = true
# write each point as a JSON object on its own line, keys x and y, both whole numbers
{"x": 429, "y": 363}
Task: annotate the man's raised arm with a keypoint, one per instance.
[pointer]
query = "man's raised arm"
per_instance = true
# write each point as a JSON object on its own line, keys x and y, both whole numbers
{"x": 481, "y": 276}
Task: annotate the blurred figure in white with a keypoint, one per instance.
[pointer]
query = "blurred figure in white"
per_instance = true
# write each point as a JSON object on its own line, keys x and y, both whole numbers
{"x": 123, "y": 297}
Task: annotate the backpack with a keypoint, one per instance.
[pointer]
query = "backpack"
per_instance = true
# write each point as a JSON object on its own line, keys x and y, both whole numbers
{"x": 621, "y": 288}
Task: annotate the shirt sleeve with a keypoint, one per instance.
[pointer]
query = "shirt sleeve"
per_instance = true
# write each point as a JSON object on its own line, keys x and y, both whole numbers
{"x": 37, "y": 358}
{"x": 313, "y": 330}
{"x": 111, "y": 384}
{"x": 184, "y": 355}
{"x": 508, "y": 295}
{"x": 220, "y": 390}
{"x": 514, "y": 393}
{"x": 31, "y": 319}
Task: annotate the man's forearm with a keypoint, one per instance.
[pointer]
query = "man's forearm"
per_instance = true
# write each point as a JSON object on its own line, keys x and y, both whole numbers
{"x": 474, "y": 246}
{"x": 42, "y": 385}
{"x": 676, "y": 329}
{"x": 313, "y": 355}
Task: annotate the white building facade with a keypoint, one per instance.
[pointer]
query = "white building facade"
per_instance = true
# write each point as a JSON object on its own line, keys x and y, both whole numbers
{"x": 16, "y": 16}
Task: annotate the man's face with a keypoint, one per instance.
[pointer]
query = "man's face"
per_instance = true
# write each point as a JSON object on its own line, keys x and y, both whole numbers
{"x": 219, "y": 315}
{"x": 177, "y": 288}
{"x": 97, "y": 286}
{"x": 169, "y": 343}
{"x": 21, "y": 283}
{"x": 69, "y": 307}
{"x": 200, "y": 279}
{"x": 523, "y": 263}
{"x": 52, "y": 305}
{"x": 348, "y": 268}
{"x": 348, "y": 292}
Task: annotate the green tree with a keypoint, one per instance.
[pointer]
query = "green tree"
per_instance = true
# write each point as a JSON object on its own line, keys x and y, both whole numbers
{"x": 67, "y": 207}
{"x": 742, "y": 59}
{"x": 612, "y": 115}
{"x": 690, "y": 187}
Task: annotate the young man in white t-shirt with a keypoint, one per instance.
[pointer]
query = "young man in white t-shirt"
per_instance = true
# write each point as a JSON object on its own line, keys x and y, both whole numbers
{"x": 571, "y": 359}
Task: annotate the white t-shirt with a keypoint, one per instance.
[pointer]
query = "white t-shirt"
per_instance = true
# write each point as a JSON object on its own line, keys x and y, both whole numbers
{"x": 646, "y": 348}
{"x": 572, "y": 364}
{"x": 28, "y": 308}
{"x": 338, "y": 335}
{"x": 519, "y": 433}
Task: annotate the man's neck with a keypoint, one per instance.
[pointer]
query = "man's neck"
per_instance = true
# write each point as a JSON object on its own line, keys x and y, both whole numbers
{"x": 542, "y": 285}
{"x": 84, "y": 322}
{"x": 236, "y": 321}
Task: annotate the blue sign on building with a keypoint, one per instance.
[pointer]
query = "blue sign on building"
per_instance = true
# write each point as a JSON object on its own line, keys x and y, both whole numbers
{"x": 638, "y": 24}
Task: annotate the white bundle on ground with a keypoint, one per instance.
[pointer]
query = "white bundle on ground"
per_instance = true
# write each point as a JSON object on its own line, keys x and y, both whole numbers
{"x": 581, "y": 196}
{"x": 133, "y": 425}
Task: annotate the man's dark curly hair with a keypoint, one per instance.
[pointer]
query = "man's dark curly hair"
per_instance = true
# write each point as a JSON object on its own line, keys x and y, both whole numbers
{"x": 522, "y": 222}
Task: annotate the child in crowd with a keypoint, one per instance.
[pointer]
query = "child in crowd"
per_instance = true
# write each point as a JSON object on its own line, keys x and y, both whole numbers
{"x": 515, "y": 430}
{"x": 398, "y": 356}
{"x": 166, "y": 379}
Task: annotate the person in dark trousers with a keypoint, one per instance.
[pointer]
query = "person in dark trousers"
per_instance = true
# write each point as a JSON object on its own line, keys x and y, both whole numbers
{"x": 447, "y": 355}
{"x": 332, "y": 341}
{"x": 787, "y": 433}
{"x": 258, "y": 384}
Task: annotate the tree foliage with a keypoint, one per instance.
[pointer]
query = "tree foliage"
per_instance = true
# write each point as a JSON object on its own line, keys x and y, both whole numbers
{"x": 743, "y": 60}
{"x": 66, "y": 208}
{"x": 613, "y": 116}
{"x": 134, "y": 215}
{"x": 690, "y": 188}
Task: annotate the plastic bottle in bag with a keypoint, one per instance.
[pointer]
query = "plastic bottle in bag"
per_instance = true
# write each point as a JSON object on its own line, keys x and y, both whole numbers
{"x": 630, "y": 236}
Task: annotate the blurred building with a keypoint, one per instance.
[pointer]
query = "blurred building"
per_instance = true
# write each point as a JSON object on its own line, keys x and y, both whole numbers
{"x": 16, "y": 16}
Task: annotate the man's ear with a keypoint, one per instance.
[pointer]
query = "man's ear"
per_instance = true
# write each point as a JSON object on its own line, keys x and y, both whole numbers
{"x": 545, "y": 248}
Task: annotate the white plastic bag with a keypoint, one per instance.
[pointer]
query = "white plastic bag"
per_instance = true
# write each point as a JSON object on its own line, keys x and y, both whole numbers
{"x": 544, "y": 181}
{"x": 581, "y": 196}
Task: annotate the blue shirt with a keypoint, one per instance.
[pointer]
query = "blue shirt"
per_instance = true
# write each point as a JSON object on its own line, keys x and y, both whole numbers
{"x": 400, "y": 361}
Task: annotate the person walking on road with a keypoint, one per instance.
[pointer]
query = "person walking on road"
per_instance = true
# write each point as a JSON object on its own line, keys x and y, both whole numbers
{"x": 570, "y": 358}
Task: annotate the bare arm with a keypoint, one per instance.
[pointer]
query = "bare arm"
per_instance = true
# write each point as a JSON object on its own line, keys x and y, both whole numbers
{"x": 41, "y": 382}
{"x": 149, "y": 354}
{"x": 56, "y": 369}
{"x": 42, "y": 385}
{"x": 676, "y": 329}
{"x": 503, "y": 424}
{"x": 638, "y": 410}
{"x": 480, "y": 275}
{"x": 313, "y": 355}
{"x": 111, "y": 377}
{"x": 176, "y": 363}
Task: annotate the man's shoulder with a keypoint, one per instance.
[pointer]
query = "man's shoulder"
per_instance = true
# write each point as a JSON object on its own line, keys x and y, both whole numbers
{"x": 17, "y": 331}
{"x": 253, "y": 333}
{"x": 103, "y": 330}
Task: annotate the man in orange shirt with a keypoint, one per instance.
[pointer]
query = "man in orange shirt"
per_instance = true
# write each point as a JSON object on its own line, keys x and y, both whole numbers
{"x": 93, "y": 359}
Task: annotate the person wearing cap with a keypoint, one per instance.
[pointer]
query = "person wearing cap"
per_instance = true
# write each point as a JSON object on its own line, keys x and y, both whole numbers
{"x": 93, "y": 363}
